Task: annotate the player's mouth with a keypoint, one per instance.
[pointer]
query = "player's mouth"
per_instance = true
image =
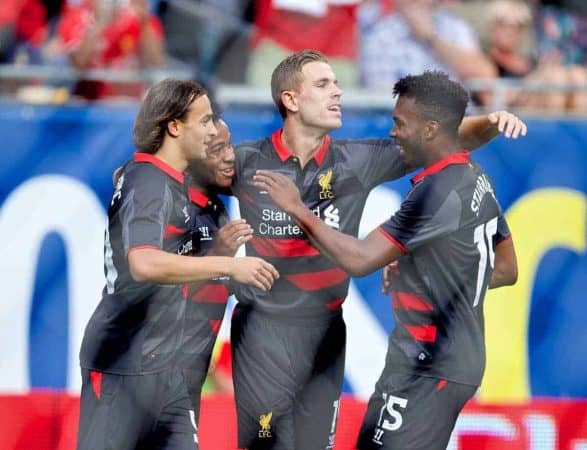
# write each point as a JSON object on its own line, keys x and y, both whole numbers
{"x": 228, "y": 172}
{"x": 335, "y": 108}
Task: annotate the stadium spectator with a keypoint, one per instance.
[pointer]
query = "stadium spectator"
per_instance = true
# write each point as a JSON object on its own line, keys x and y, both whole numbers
{"x": 286, "y": 26}
{"x": 507, "y": 28}
{"x": 561, "y": 27}
{"x": 23, "y": 31}
{"x": 508, "y": 23}
{"x": 107, "y": 34}
{"x": 418, "y": 35}
{"x": 451, "y": 242}
{"x": 221, "y": 43}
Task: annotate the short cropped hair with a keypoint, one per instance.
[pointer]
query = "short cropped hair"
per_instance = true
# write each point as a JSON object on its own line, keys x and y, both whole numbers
{"x": 437, "y": 97}
{"x": 165, "y": 101}
{"x": 287, "y": 76}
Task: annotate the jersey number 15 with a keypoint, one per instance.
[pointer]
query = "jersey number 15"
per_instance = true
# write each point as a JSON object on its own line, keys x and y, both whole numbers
{"x": 483, "y": 237}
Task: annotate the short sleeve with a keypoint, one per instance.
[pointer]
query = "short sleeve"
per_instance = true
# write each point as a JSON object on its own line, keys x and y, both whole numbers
{"x": 422, "y": 217}
{"x": 503, "y": 230}
{"x": 376, "y": 161}
{"x": 145, "y": 210}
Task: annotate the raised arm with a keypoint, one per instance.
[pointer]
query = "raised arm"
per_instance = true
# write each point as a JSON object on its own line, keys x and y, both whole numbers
{"x": 476, "y": 131}
{"x": 357, "y": 257}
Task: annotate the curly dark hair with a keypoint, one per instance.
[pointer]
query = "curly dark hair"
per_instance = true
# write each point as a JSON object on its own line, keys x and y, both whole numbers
{"x": 437, "y": 97}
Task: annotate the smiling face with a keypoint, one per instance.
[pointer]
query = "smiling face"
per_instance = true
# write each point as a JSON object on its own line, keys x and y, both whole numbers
{"x": 407, "y": 131}
{"x": 216, "y": 169}
{"x": 318, "y": 98}
{"x": 197, "y": 129}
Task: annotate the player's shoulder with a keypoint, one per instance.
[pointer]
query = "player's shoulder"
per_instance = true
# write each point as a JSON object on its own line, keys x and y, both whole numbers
{"x": 148, "y": 179}
{"x": 359, "y": 148}
{"x": 143, "y": 172}
{"x": 248, "y": 147}
{"x": 436, "y": 186}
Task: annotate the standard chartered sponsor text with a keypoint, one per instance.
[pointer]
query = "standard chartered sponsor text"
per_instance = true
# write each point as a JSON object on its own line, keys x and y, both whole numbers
{"x": 275, "y": 222}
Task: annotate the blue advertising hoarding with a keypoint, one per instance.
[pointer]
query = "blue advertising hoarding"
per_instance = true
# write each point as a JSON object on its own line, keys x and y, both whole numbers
{"x": 56, "y": 182}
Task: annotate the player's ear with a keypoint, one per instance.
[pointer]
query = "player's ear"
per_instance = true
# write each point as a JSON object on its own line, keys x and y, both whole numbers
{"x": 290, "y": 101}
{"x": 431, "y": 130}
{"x": 173, "y": 128}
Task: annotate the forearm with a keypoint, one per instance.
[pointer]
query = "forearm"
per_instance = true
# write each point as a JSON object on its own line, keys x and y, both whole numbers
{"x": 499, "y": 279}
{"x": 466, "y": 63}
{"x": 343, "y": 249}
{"x": 476, "y": 131}
{"x": 82, "y": 56}
{"x": 157, "y": 266}
{"x": 152, "y": 51}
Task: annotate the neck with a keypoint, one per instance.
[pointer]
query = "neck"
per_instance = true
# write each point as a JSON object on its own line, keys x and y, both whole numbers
{"x": 302, "y": 141}
{"x": 172, "y": 157}
{"x": 440, "y": 149}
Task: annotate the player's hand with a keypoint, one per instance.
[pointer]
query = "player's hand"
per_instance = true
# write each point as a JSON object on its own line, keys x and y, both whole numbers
{"x": 282, "y": 189}
{"x": 508, "y": 124}
{"x": 386, "y": 277}
{"x": 231, "y": 236}
{"x": 254, "y": 272}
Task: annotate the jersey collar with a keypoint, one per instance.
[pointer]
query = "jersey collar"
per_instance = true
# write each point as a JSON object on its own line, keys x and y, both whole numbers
{"x": 198, "y": 198}
{"x": 455, "y": 158}
{"x": 285, "y": 153}
{"x": 141, "y": 157}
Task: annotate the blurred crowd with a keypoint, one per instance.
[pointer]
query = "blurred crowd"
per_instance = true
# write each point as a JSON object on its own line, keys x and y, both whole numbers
{"x": 537, "y": 48}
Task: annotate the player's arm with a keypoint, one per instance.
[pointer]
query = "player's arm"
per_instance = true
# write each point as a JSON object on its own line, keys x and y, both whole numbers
{"x": 505, "y": 271}
{"x": 476, "y": 131}
{"x": 357, "y": 257}
{"x": 158, "y": 266}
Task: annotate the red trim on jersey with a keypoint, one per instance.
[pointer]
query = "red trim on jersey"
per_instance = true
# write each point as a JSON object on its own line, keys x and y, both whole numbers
{"x": 139, "y": 247}
{"x": 285, "y": 153}
{"x": 211, "y": 293}
{"x": 313, "y": 281}
{"x": 393, "y": 240}
{"x": 507, "y": 238}
{"x": 322, "y": 151}
{"x": 441, "y": 385}
{"x": 172, "y": 230}
{"x": 160, "y": 164}
{"x": 335, "y": 304}
{"x": 283, "y": 248}
{"x": 410, "y": 301}
{"x": 184, "y": 291}
{"x": 423, "y": 333}
{"x": 198, "y": 197}
{"x": 96, "y": 381}
{"x": 463, "y": 157}
{"x": 215, "y": 325}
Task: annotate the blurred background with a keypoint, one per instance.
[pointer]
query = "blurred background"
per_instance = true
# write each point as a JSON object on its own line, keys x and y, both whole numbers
{"x": 72, "y": 74}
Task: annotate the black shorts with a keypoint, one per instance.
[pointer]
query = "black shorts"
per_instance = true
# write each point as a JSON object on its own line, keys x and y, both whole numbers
{"x": 195, "y": 375}
{"x": 136, "y": 412}
{"x": 412, "y": 412}
{"x": 287, "y": 380}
